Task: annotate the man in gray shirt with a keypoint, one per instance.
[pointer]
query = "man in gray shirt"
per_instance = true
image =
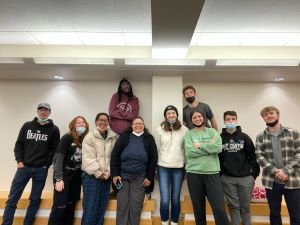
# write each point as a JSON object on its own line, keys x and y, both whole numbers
{"x": 189, "y": 93}
{"x": 278, "y": 153}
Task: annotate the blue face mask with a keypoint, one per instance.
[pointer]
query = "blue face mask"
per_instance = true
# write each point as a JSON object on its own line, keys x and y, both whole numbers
{"x": 80, "y": 130}
{"x": 230, "y": 125}
{"x": 172, "y": 121}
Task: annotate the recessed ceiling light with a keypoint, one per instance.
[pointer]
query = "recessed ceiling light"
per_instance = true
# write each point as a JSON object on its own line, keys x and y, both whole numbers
{"x": 11, "y": 60}
{"x": 169, "y": 53}
{"x": 57, "y": 77}
{"x": 166, "y": 62}
{"x": 73, "y": 61}
{"x": 257, "y": 62}
{"x": 279, "y": 79}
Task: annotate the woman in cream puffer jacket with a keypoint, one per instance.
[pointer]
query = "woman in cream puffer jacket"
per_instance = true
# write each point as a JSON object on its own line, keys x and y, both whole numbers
{"x": 96, "y": 150}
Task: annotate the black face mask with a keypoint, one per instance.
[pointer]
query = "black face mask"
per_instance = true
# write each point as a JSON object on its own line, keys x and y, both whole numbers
{"x": 273, "y": 124}
{"x": 190, "y": 99}
{"x": 198, "y": 125}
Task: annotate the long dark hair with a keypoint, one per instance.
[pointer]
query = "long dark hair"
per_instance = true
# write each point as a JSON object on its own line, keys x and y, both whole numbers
{"x": 130, "y": 93}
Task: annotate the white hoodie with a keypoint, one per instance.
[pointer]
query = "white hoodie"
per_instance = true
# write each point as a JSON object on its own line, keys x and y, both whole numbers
{"x": 170, "y": 147}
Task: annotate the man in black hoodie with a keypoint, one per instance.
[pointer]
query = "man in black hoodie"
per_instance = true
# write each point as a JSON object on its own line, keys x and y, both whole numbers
{"x": 34, "y": 150}
{"x": 239, "y": 169}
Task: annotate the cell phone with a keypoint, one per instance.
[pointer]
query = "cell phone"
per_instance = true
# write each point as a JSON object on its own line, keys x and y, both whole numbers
{"x": 118, "y": 184}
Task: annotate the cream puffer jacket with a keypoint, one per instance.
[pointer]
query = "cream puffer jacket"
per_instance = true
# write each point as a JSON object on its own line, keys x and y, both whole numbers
{"x": 170, "y": 147}
{"x": 96, "y": 152}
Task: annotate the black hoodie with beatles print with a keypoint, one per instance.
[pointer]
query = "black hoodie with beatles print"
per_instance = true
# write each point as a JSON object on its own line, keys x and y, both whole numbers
{"x": 37, "y": 143}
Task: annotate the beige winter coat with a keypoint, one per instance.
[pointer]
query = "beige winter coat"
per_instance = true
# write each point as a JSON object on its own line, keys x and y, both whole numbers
{"x": 96, "y": 152}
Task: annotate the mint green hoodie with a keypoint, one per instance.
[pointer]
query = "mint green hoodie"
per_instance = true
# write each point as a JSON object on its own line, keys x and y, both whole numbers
{"x": 203, "y": 160}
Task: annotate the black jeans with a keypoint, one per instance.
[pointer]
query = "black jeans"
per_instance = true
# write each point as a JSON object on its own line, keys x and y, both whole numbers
{"x": 62, "y": 212}
{"x": 210, "y": 186}
{"x": 292, "y": 199}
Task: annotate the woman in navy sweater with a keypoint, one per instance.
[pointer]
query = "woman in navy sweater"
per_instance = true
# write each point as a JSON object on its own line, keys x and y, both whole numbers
{"x": 133, "y": 163}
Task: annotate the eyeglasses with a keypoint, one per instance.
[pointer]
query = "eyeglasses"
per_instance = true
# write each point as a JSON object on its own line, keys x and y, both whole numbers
{"x": 138, "y": 124}
{"x": 103, "y": 121}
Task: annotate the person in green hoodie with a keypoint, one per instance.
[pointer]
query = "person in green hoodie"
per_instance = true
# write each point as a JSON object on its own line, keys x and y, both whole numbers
{"x": 202, "y": 146}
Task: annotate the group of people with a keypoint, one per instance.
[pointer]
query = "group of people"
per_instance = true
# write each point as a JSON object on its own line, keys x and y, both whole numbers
{"x": 121, "y": 151}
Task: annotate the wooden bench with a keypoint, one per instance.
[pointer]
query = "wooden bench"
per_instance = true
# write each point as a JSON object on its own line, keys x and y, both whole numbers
{"x": 46, "y": 204}
{"x": 259, "y": 213}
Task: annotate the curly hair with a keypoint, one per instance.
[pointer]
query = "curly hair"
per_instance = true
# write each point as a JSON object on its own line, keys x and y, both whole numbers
{"x": 72, "y": 126}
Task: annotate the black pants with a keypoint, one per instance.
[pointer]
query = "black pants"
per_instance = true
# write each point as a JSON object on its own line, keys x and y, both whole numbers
{"x": 291, "y": 196}
{"x": 202, "y": 185}
{"x": 62, "y": 212}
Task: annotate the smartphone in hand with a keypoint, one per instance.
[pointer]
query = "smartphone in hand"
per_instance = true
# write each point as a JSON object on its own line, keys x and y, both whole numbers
{"x": 118, "y": 184}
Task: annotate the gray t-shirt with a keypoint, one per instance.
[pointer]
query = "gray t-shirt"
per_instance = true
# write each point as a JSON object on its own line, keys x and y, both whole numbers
{"x": 277, "y": 152}
{"x": 203, "y": 107}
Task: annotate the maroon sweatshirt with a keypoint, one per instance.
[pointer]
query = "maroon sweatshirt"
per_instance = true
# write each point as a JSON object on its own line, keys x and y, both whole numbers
{"x": 122, "y": 113}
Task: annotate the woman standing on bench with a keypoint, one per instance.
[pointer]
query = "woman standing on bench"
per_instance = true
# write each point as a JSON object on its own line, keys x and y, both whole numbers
{"x": 202, "y": 146}
{"x": 169, "y": 139}
{"x": 67, "y": 173}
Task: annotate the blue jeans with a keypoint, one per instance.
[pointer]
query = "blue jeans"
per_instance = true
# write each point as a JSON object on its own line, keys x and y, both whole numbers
{"x": 95, "y": 200}
{"x": 22, "y": 176}
{"x": 170, "y": 182}
{"x": 292, "y": 198}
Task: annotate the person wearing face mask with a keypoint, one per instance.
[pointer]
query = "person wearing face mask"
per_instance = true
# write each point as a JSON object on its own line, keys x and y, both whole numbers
{"x": 189, "y": 93}
{"x": 133, "y": 163}
{"x": 123, "y": 107}
{"x": 278, "y": 153}
{"x": 67, "y": 173}
{"x": 34, "y": 150}
{"x": 239, "y": 169}
{"x": 96, "y": 151}
{"x": 169, "y": 138}
{"x": 202, "y": 146}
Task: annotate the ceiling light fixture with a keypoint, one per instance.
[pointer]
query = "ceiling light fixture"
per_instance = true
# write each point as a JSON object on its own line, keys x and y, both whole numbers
{"x": 58, "y": 77}
{"x": 257, "y": 62}
{"x": 169, "y": 53}
{"x": 74, "y": 61}
{"x": 279, "y": 79}
{"x": 165, "y": 62}
{"x": 11, "y": 60}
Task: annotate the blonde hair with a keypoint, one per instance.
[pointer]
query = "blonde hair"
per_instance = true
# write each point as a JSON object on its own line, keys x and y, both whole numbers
{"x": 268, "y": 109}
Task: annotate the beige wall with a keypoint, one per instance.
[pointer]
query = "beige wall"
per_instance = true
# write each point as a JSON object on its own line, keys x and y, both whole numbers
{"x": 18, "y": 100}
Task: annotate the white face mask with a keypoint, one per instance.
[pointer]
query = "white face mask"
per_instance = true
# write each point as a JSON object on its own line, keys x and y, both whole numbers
{"x": 137, "y": 134}
{"x": 101, "y": 130}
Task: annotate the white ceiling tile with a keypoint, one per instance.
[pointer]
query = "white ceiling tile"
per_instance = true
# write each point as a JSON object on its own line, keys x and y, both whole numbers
{"x": 108, "y": 39}
{"x": 134, "y": 15}
{"x": 138, "y": 39}
{"x": 17, "y": 38}
{"x": 267, "y": 39}
{"x": 221, "y": 39}
{"x": 57, "y": 38}
{"x": 249, "y": 16}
